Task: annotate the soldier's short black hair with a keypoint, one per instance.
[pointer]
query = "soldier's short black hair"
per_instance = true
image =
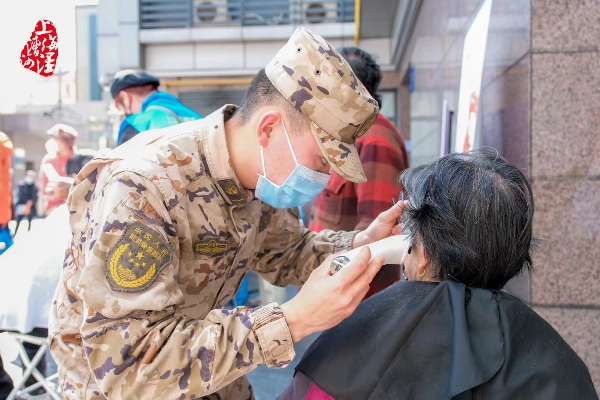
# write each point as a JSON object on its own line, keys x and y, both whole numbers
{"x": 262, "y": 92}
{"x": 473, "y": 214}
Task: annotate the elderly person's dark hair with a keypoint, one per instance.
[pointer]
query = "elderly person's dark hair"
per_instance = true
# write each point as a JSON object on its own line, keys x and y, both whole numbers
{"x": 473, "y": 215}
{"x": 365, "y": 68}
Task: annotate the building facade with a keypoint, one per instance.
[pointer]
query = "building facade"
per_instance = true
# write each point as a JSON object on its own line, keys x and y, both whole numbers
{"x": 206, "y": 52}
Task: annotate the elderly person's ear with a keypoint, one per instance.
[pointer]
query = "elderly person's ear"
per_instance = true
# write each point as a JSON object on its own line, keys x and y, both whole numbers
{"x": 417, "y": 263}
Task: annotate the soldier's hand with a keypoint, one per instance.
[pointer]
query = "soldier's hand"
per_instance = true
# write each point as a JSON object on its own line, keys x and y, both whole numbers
{"x": 326, "y": 300}
{"x": 385, "y": 225}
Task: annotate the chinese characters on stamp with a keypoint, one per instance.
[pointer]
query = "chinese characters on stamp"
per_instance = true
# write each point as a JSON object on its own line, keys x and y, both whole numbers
{"x": 41, "y": 51}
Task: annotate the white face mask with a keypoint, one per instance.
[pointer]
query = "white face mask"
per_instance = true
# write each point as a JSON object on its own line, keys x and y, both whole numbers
{"x": 300, "y": 187}
{"x": 51, "y": 146}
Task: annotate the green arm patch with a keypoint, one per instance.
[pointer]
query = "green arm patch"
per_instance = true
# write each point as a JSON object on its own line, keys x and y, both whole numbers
{"x": 232, "y": 191}
{"x": 137, "y": 259}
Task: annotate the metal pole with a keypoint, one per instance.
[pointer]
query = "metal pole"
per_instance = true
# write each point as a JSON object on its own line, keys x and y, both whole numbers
{"x": 356, "y": 22}
{"x": 242, "y": 12}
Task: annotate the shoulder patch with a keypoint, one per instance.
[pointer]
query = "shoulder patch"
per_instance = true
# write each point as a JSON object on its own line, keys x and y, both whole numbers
{"x": 232, "y": 191}
{"x": 265, "y": 220}
{"x": 137, "y": 259}
{"x": 211, "y": 246}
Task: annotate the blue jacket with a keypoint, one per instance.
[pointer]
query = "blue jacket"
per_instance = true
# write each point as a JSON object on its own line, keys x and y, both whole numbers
{"x": 157, "y": 112}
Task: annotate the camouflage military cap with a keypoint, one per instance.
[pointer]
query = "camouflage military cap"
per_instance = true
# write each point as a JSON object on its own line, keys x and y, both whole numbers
{"x": 317, "y": 81}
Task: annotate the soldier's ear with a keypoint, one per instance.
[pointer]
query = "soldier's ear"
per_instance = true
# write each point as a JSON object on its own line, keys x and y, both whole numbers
{"x": 266, "y": 123}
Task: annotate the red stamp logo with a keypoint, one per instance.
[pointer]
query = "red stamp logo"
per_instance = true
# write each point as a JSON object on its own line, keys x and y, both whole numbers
{"x": 41, "y": 51}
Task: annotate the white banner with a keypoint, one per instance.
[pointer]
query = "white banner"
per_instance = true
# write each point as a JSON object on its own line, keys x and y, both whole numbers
{"x": 470, "y": 79}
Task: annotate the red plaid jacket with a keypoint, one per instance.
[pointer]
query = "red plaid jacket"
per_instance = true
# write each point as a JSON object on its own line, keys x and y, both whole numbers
{"x": 347, "y": 206}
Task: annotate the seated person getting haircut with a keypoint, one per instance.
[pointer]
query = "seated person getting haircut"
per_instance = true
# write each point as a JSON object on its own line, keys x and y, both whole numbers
{"x": 448, "y": 331}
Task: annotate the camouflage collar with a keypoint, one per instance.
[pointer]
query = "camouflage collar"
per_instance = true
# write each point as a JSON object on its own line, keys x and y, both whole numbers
{"x": 216, "y": 156}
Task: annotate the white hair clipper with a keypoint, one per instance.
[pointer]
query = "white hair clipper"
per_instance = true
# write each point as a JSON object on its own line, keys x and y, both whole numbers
{"x": 392, "y": 248}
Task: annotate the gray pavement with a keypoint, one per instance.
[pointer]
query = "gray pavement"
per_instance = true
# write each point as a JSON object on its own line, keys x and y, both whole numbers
{"x": 269, "y": 383}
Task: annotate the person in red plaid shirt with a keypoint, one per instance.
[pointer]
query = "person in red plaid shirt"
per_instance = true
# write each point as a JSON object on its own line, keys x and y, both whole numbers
{"x": 345, "y": 205}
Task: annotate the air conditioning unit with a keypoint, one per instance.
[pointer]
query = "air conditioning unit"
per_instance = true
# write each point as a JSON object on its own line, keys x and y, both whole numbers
{"x": 210, "y": 11}
{"x": 314, "y": 11}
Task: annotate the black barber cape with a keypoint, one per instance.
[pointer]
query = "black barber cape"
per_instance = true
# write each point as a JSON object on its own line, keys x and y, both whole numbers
{"x": 420, "y": 340}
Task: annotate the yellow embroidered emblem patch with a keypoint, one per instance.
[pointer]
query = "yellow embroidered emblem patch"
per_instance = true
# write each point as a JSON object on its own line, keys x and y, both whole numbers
{"x": 136, "y": 260}
{"x": 211, "y": 246}
{"x": 232, "y": 191}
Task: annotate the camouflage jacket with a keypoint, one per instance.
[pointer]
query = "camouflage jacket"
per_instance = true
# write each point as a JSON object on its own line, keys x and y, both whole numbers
{"x": 163, "y": 234}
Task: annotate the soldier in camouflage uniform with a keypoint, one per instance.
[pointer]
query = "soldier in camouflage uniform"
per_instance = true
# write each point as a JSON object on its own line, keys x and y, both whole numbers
{"x": 166, "y": 226}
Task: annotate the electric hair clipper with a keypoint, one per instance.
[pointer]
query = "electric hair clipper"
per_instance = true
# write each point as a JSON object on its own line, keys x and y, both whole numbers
{"x": 392, "y": 248}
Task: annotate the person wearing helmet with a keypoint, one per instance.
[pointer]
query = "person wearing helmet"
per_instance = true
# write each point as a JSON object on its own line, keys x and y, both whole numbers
{"x": 135, "y": 94}
{"x": 60, "y": 147}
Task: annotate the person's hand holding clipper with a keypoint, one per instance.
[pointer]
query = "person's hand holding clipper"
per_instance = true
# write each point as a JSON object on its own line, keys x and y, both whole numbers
{"x": 326, "y": 300}
{"x": 391, "y": 248}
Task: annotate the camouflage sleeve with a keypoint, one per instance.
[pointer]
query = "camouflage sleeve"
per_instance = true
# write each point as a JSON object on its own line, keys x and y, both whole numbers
{"x": 138, "y": 344}
{"x": 291, "y": 252}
